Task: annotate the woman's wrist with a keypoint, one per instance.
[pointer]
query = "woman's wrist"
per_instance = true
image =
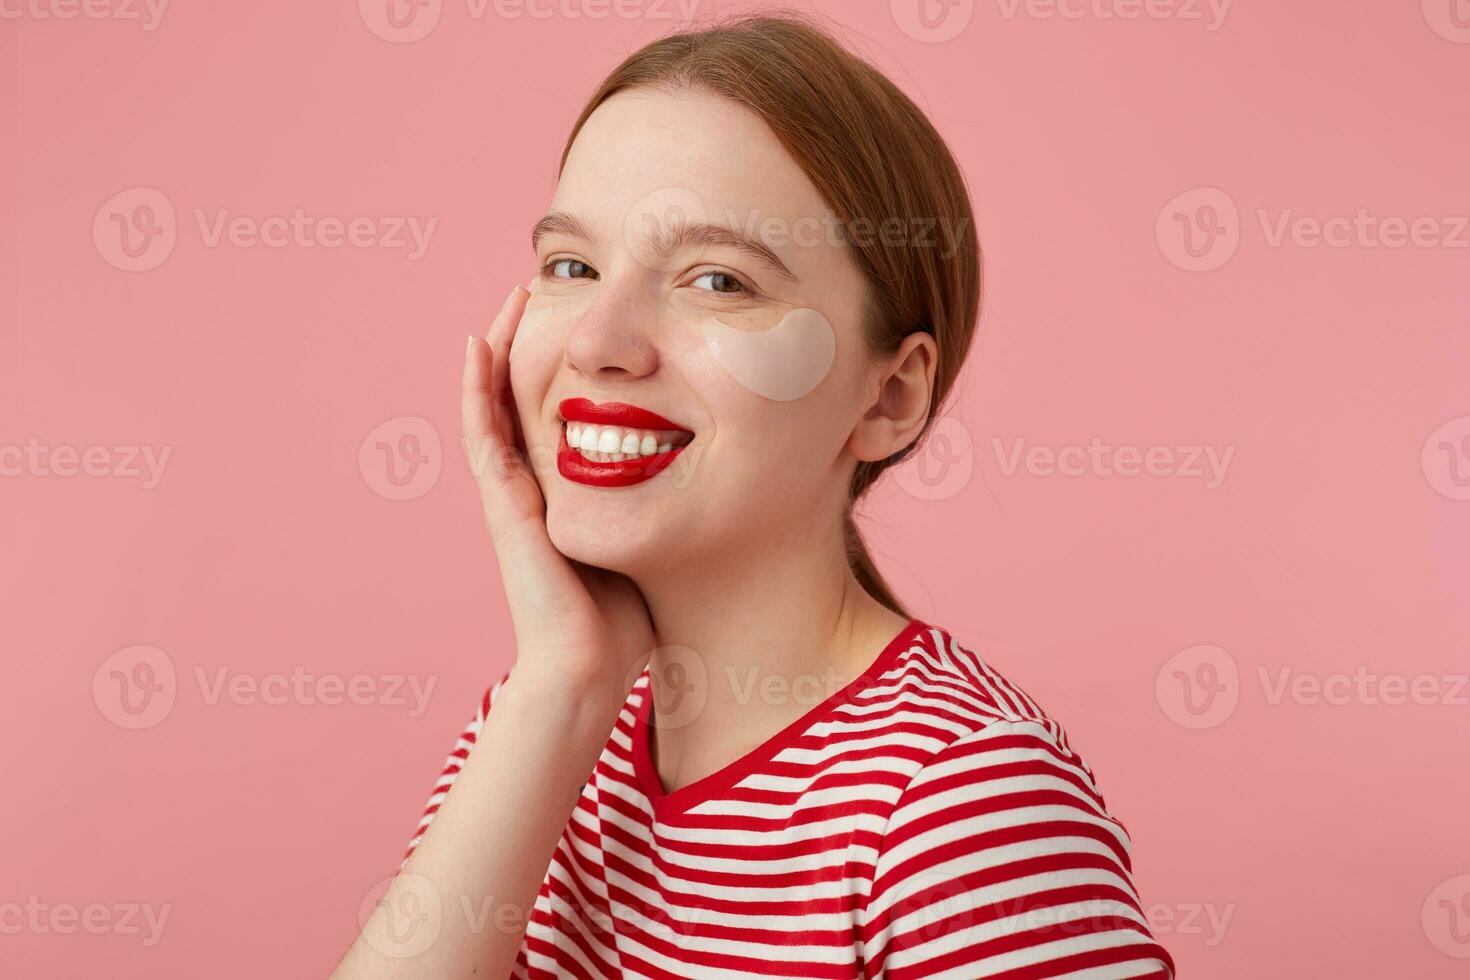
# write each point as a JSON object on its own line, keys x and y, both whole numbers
{"x": 555, "y": 692}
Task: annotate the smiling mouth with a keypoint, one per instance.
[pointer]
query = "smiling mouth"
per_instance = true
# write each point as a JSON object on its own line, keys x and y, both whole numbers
{"x": 615, "y": 445}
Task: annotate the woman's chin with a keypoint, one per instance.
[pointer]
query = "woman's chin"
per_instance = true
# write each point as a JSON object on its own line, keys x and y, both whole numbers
{"x": 602, "y": 537}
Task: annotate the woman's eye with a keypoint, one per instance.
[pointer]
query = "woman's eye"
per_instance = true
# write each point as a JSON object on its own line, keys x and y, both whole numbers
{"x": 720, "y": 282}
{"x": 571, "y": 269}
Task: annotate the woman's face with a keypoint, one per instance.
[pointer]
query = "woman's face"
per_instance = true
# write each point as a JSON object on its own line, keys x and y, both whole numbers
{"x": 689, "y": 269}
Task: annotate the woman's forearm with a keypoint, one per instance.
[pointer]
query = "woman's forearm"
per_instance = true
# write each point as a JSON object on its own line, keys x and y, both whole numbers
{"x": 460, "y": 905}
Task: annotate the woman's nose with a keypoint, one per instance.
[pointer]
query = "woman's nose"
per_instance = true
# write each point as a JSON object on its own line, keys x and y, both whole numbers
{"x": 614, "y": 339}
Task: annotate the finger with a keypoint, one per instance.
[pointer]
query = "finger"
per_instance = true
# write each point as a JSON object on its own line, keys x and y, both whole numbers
{"x": 503, "y": 327}
{"x": 499, "y": 338}
{"x": 477, "y": 413}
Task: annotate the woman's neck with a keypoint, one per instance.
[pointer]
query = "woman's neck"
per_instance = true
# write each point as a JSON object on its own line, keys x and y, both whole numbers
{"x": 749, "y": 647}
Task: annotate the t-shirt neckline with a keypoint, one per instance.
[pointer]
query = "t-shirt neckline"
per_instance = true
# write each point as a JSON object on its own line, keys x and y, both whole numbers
{"x": 667, "y": 804}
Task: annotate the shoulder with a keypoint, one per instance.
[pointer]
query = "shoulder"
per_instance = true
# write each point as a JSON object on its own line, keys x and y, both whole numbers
{"x": 978, "y": 734}
{"x": 999, "y": 835}
{"x": 952, "y": 695}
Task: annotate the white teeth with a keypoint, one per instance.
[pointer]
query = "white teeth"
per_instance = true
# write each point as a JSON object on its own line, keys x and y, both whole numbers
{"x": 611, "y": 443}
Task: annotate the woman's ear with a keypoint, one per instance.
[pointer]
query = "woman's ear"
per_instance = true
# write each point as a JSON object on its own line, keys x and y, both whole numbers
{"x": 900, "y": 404}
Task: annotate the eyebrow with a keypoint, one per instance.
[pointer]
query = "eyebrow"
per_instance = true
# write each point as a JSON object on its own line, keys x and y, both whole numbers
{"x": 667, "y": 239}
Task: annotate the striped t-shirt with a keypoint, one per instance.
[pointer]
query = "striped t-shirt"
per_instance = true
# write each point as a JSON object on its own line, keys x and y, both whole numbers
{"x": 928, "y": 820}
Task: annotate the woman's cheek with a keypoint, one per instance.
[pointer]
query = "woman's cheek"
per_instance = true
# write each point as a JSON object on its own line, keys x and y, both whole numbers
{"x": 546, "y": 323}
{"x": 781, "y": 363}
{"x": 535, "y": 352}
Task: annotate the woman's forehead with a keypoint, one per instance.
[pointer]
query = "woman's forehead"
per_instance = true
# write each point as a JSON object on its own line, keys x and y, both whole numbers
{"x": 647, "y": 157}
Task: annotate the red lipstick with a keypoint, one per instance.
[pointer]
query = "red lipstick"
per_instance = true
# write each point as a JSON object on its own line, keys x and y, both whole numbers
{"x": 620, "y": 473}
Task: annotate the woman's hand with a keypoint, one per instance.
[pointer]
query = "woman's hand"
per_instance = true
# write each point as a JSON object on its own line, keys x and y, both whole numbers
{"x": 573, "y": 623}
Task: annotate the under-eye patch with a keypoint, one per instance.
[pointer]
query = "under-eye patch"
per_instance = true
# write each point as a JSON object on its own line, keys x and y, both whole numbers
{"x": 530, "y": 321}
{"x": 783, "y": 363}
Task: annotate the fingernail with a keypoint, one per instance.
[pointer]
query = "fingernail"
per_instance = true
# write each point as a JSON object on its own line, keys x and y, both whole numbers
{"x": 469, "y": 344}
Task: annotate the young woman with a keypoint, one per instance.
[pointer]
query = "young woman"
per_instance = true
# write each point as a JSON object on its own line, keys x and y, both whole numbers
{"x": 724, "y": 748}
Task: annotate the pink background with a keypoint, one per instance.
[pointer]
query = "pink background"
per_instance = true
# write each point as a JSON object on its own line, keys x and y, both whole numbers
{"x": 1275, "y": 835}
